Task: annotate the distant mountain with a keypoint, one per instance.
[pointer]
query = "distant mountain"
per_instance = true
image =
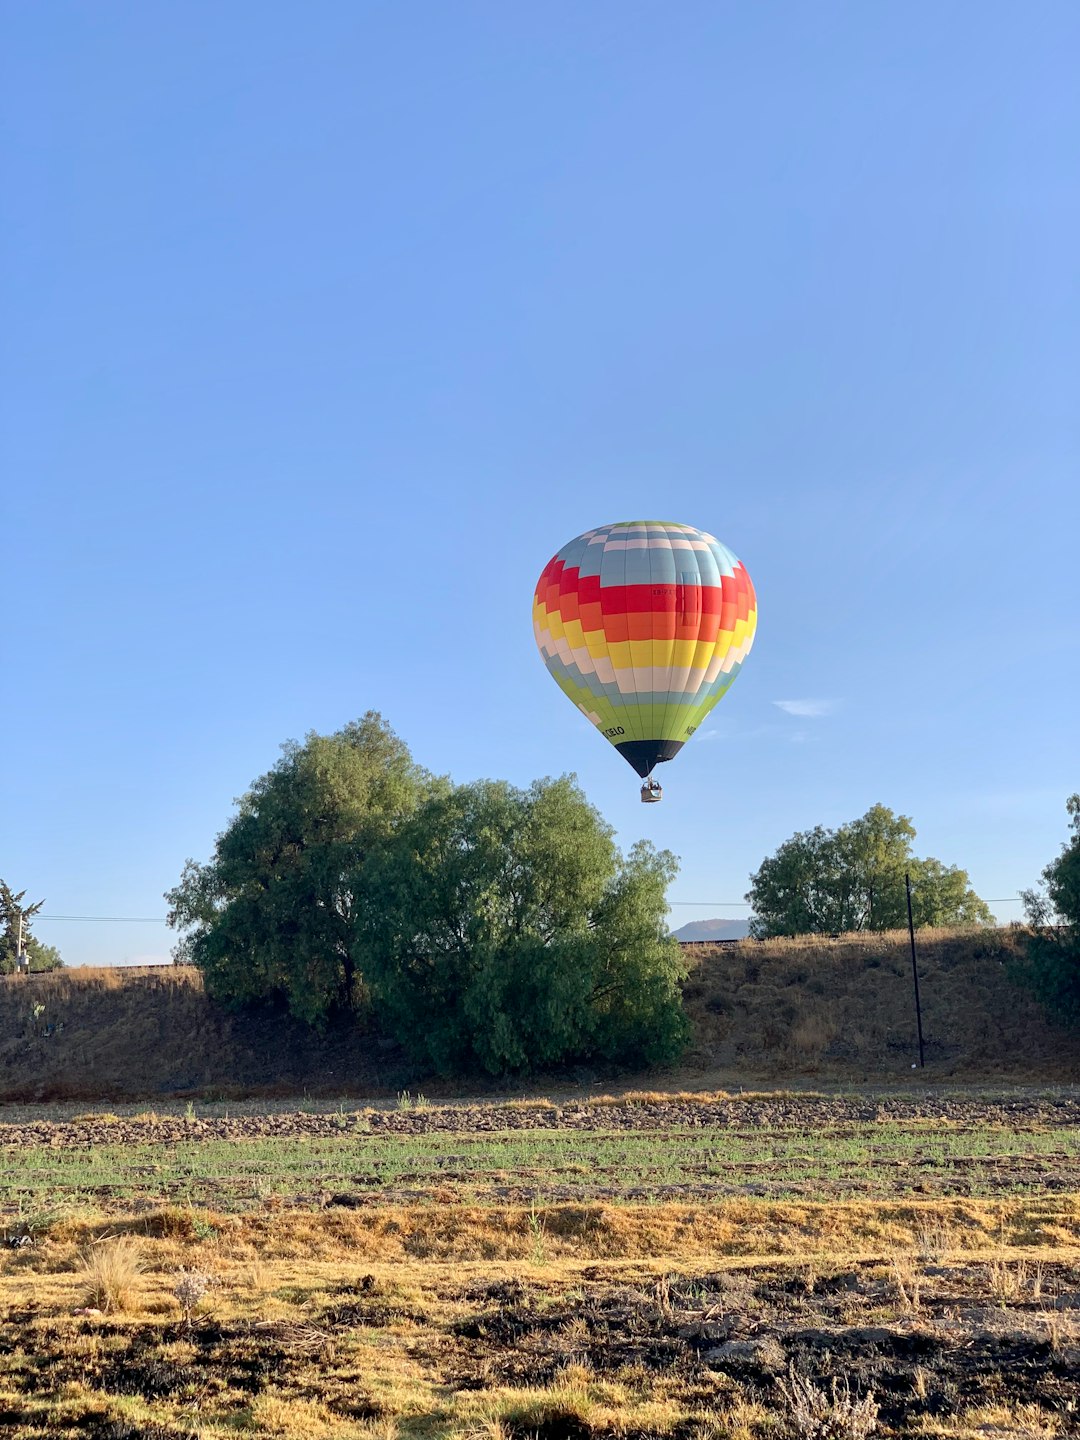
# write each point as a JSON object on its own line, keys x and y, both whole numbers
{"x": 713, "y": 930}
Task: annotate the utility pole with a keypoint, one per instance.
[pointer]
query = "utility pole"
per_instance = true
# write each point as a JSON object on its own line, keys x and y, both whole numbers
{"x": 15, "y": 921}
{"x": 914, "y": 970}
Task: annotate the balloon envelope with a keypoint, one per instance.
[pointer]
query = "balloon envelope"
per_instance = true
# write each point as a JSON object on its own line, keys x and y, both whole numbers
{"x": 645, "y": 625}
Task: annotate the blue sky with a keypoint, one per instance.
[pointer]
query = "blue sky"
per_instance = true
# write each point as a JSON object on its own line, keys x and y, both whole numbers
{"x": 327, "y": 325}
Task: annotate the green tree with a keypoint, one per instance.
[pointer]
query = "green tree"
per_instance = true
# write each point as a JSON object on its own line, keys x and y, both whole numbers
{"x": 1054, "y": 914}
{"x": 12, "y": 909}
{"x": 504, "y": 931}
{"x": 942, "y": 895}
{"x": 852, "y": 878}
{"x": 273, "y": 913}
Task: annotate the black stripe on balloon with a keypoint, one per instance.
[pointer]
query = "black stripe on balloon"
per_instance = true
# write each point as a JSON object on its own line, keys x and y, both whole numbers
{"x": 643, "y": 755}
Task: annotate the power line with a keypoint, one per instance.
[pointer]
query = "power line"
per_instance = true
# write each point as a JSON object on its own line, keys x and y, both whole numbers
{"x": 163, "y": 919}
{"x": 111, "y": 919}
{"x": 719, "y": 904}
{"x": 745, "y": 904}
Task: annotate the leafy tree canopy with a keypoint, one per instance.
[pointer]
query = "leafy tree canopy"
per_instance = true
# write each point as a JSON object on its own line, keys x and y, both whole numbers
{"x": 273, "y": 913}
{"x": 503, "y": 930}
{"x": 852, "y": 878}
{"x": 42, "y": 957}
{"x": 1055, "y": 913}
{"x": 491, "y": 927}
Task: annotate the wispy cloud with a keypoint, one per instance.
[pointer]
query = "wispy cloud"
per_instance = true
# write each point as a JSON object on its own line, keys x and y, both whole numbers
{"x": 807, "y": 708}
{"x": 773, "y": 730}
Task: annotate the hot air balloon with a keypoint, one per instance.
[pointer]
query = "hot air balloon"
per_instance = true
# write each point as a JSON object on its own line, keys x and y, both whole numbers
{"x": 644, "y": 625}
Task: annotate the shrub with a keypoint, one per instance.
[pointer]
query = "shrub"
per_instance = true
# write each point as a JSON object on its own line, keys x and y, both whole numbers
{"x": 1054, "y": 948}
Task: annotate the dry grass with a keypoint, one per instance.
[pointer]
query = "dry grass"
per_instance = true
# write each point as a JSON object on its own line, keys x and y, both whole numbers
{"x": 1025, "y": 1420}
{"x": 113, "y": 1033}
{"x": 907, "y": 1279}
{"x": 111, "y": 1270}
{"x": 424, "y": 1324}
{"x": 1002, "y": 1232}
{"x": 813, "y": 1032}
{"x": 615, "y": 1319}
{"x": 75, "y": 980}
{"x": 1008, "y": 1282}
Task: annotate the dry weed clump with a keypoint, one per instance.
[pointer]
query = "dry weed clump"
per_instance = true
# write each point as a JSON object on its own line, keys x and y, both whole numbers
{"x": 190, "y": 1288}
{"x": 1059, "y": 1328}
{"x": 934, "y": 1241}
{"x": 1008, "y": 1282}
{"x": 111, "y": 1269}
{"x": 908, "y": 1283}
{"x": 386, "y": 1427}
{"x": 487, "y": 1427}
{"x": 813, "y": 1414}
{"x": 743, "y": 1419}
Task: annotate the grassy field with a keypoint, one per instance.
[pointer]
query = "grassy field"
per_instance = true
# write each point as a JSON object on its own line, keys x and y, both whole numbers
{"x": 540, "y": 1166}
{"x": 823, "y": 1265}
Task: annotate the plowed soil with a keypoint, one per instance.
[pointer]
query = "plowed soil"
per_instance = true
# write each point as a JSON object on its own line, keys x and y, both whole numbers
{"x": 809, "y": 1114}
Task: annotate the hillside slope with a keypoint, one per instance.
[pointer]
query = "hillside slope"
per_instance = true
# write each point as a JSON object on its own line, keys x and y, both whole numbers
{"x": 130, "y": 1033}
{"x": 845, "y": 1006}
{"x": 835, "y": 1009}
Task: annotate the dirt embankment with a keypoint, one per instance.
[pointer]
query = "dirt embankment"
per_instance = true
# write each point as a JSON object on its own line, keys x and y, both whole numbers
{"x": 827, "y": 1009}
{"x": 845, "y": 1007}
{"x": 102, "y": 1034}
